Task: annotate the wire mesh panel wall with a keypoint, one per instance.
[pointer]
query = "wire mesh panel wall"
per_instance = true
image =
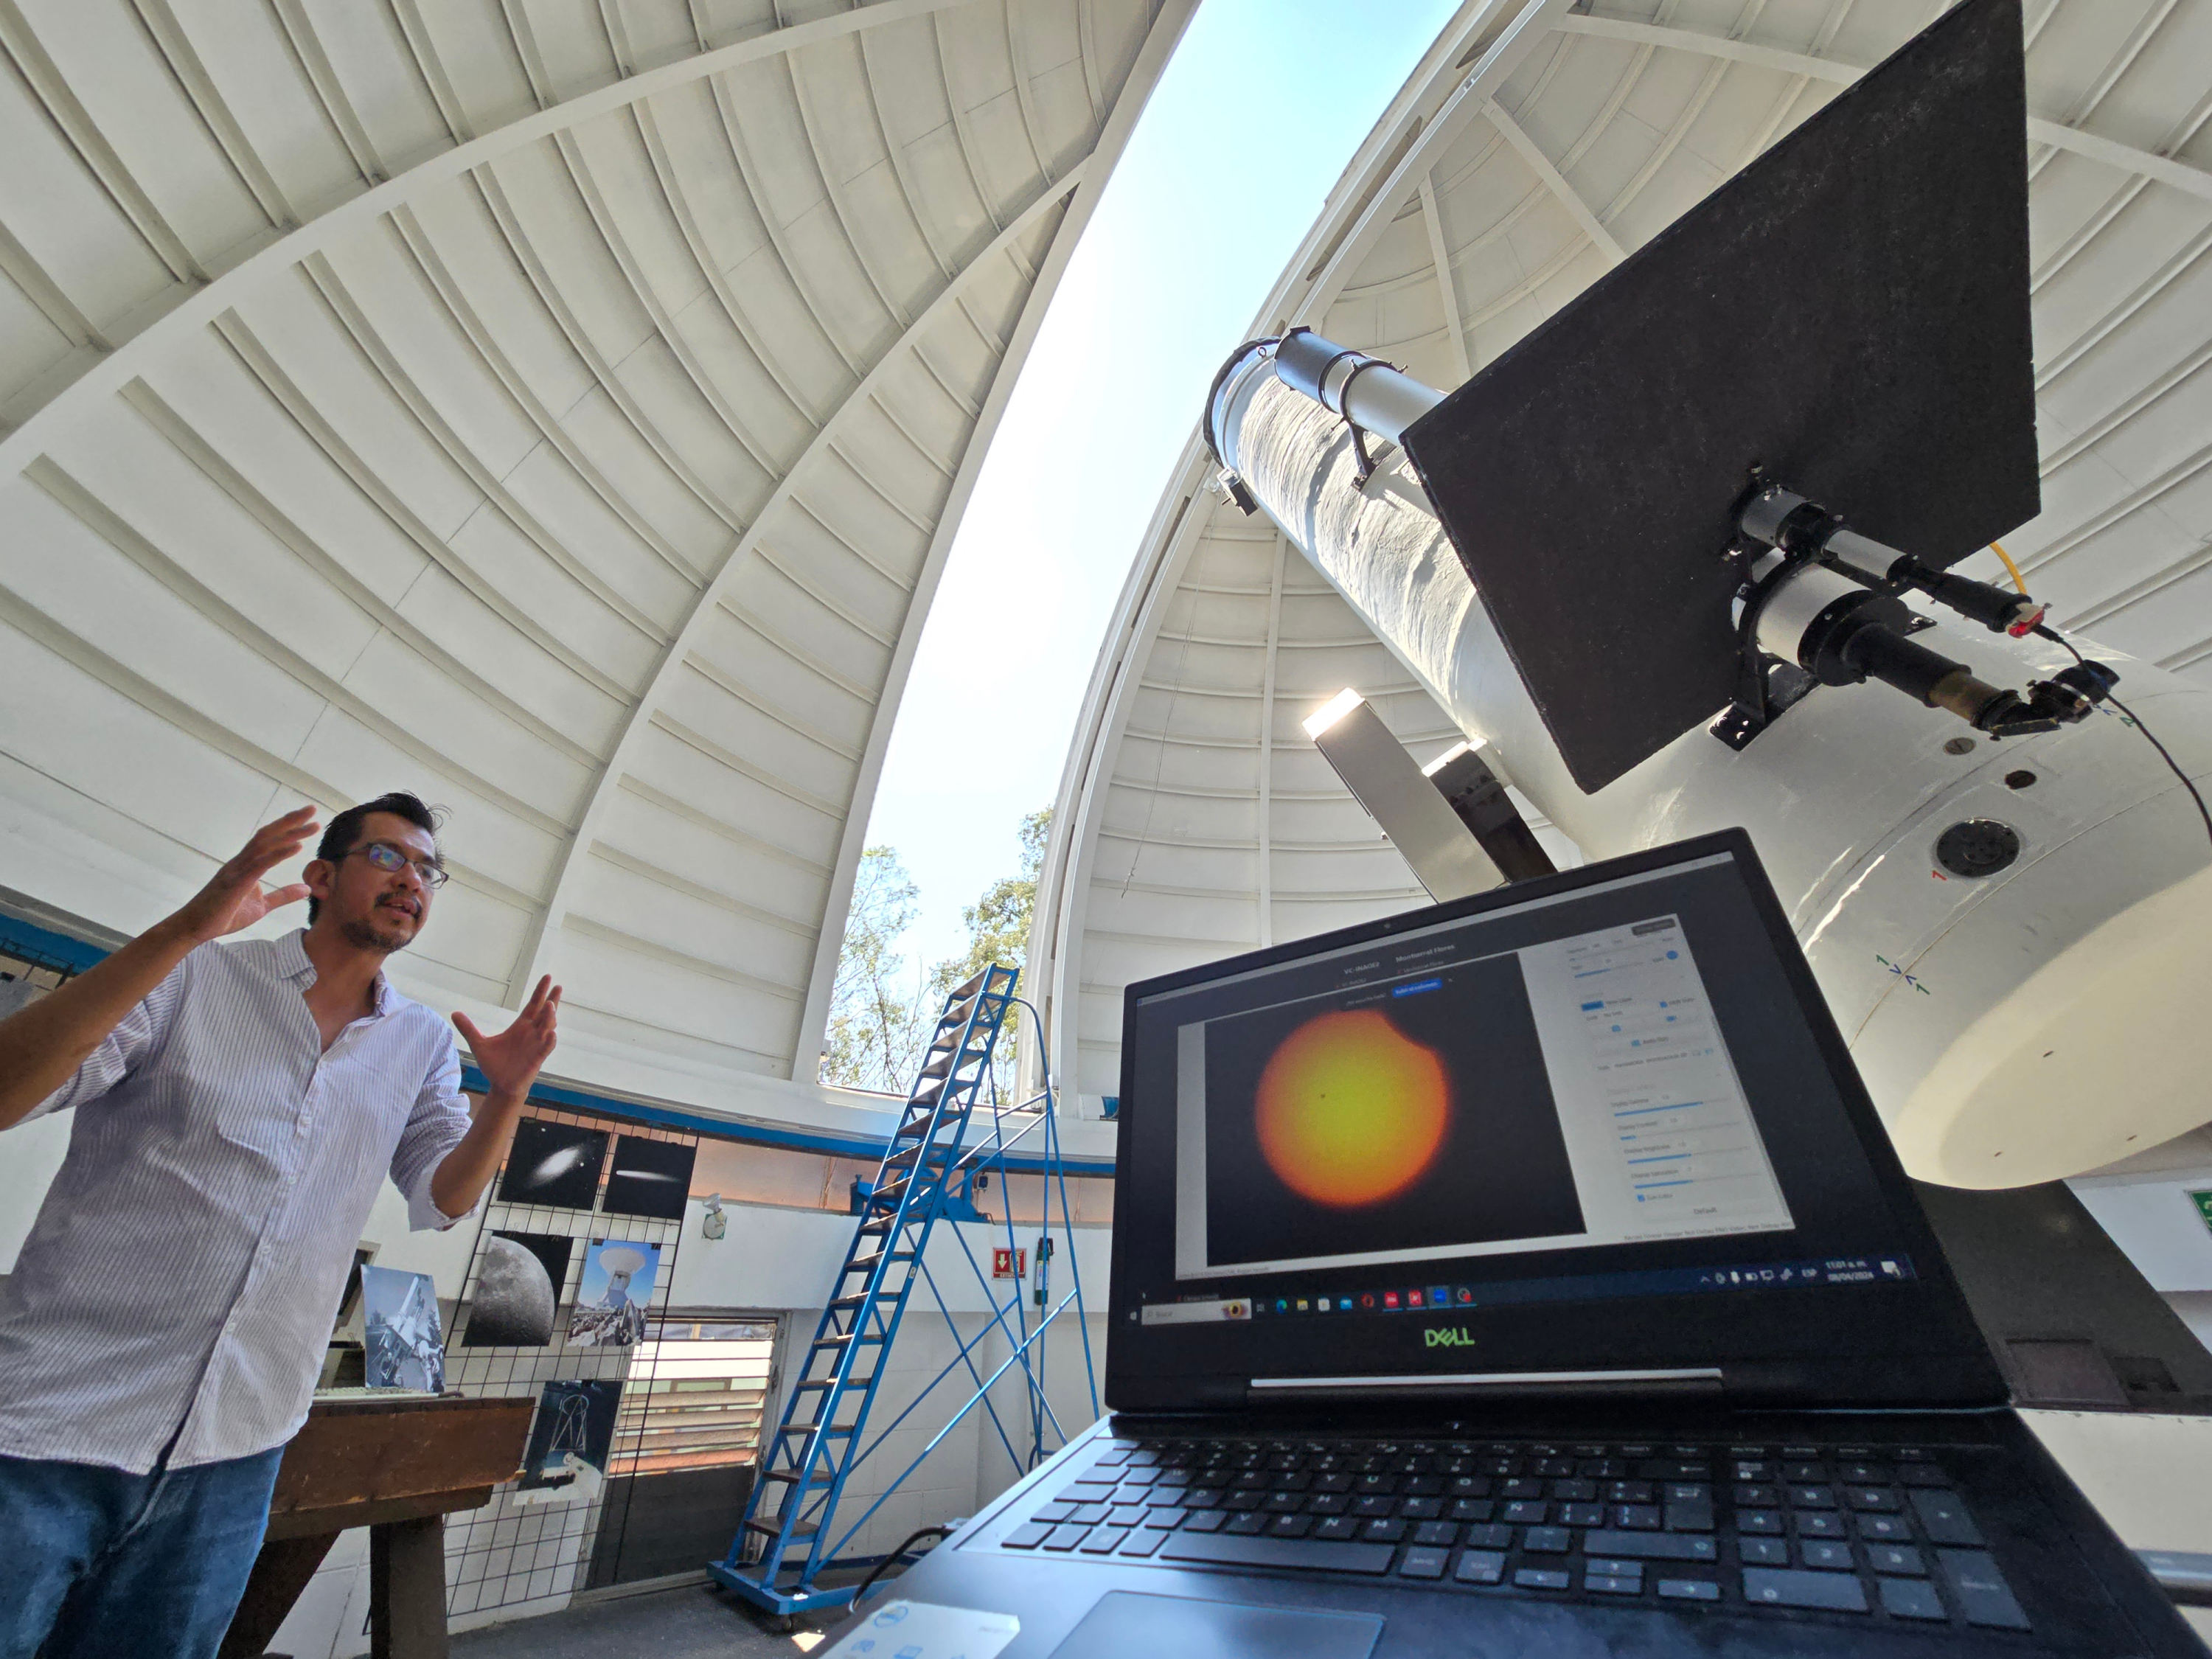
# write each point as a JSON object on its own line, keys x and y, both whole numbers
{"x": 565, "y": 1200}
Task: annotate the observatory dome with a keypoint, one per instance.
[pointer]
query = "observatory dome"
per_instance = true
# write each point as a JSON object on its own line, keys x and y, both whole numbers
{"x": 560, "y": 411}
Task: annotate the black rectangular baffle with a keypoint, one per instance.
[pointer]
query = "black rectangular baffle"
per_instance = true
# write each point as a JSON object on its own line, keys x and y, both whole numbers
{"x": 1850, "y": 311}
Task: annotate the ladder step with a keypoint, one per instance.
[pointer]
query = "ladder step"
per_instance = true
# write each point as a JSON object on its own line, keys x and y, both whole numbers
{"x": 824, "y": 1388}
{"x": 790, "y": 1478}
{"x": 775, "y": 1529}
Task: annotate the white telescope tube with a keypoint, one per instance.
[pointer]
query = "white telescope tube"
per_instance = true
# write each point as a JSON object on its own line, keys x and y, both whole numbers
{"x": 2020, "y": 1027}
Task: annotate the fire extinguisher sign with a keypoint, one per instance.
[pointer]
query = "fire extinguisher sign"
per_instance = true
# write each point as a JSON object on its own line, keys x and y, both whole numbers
{"x": 1009, "y": 1263}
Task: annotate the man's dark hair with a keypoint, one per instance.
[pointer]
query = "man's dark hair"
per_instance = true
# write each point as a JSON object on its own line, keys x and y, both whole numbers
{"x": 343, "y": 834}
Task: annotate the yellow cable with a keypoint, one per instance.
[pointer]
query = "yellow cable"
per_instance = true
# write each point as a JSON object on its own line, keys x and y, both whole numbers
{"x": 2010, "y": 565}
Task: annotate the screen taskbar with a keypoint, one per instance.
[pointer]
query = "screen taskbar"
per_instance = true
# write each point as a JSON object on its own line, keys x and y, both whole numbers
{"x": 1380, "y": 1300}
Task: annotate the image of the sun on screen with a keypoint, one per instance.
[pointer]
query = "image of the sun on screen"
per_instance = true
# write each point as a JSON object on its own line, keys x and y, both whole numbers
{"x": 1350, "y": 1110}
{"x": 1410, "y": 1118}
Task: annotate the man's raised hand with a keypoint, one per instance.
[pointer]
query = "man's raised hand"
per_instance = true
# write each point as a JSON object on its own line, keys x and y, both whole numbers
{"x": 235, "y": 898}
{"x": 510, "y": 1061}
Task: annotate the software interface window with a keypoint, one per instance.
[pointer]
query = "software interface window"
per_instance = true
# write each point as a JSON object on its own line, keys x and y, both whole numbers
{"x": 1434, "y": 1100}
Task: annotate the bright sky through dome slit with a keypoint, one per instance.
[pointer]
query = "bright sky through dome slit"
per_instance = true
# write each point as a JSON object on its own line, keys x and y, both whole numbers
{"x": 1351, "y": 1111}
{"x": 1186, "y": 243}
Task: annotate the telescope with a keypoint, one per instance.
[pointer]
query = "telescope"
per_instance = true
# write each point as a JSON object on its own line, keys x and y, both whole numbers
{"x": 1682, "y": 559}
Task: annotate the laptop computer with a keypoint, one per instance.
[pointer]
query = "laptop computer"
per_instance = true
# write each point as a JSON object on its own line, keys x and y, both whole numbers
{"x": 1531, "y": 1274}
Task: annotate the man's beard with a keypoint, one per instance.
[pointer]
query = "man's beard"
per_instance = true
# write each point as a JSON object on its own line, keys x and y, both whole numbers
{"x": 366, "y": 936}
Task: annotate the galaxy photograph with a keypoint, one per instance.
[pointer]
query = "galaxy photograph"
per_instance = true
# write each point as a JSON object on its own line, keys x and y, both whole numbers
{"x": 553, "y": 1164}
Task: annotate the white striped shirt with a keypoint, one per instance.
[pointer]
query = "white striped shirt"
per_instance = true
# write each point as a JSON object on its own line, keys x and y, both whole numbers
{"x": 186, "y": 1265}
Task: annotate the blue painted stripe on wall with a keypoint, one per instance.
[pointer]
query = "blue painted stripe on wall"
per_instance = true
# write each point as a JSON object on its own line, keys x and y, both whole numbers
{"x": 25, "y": 939}
{"x": 34, "y": 941}
{"x": 796, "y": 1140}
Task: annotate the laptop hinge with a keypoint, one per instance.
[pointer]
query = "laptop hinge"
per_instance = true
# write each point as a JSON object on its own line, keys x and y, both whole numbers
{"x": 1699, "y": 1379}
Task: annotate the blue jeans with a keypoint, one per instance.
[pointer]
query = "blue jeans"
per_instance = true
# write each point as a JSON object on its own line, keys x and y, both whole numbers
{"x": 96, "y": 1563}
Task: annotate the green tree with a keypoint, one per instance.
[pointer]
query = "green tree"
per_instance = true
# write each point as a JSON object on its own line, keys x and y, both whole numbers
{"x": 998, "y": 932}
{"x": 879, "y": 1029}
{"x": 877, "y": 1026}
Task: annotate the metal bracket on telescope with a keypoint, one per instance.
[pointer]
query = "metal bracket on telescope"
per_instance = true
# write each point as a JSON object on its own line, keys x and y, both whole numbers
{"x": 1766, "y": 684}
{"x": 1324, "y": 371}
{"x": 1233, "y": 488}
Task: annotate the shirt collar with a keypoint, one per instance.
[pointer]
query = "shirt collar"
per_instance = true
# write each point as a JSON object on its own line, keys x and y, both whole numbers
{"x": 292, "y": 957}
{"x": 293, "y": 964}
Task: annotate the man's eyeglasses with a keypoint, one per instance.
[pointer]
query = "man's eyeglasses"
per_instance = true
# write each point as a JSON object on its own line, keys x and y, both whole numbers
{"x": 390, "y": 860}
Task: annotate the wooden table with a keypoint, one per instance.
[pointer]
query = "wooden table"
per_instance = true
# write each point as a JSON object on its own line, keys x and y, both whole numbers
{"x": 398, "y": 1466}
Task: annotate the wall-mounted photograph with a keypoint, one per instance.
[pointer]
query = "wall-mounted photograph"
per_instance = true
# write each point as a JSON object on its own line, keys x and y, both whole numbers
{"x": 614, "y": 1293}
{"x": 404, "y": 1346}
{"x": 649, "y": 1177}
{"x": 519, "y": 1278}
{"x": 570, "y": 1439}
{"x": 553, "y": 1164}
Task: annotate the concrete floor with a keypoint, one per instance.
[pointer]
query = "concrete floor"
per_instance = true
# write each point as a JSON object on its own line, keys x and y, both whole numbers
{"x": 691, "y": 1621}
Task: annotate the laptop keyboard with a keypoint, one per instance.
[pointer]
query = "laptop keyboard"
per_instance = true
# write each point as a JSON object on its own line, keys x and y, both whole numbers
{"x": 1877, "y": 1531}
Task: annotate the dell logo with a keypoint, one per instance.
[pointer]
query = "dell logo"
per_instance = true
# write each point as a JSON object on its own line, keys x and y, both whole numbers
{"x": 1448, "y": 1336}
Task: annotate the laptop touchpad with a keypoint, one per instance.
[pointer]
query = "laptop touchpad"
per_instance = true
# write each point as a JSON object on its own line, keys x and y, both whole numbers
{"x": 1126, "y": 1622}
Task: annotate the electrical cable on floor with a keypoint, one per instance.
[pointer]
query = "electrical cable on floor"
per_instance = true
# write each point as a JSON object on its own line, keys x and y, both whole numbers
{"x": 2188, "y": 783}
{"x": 877, "y": 1572}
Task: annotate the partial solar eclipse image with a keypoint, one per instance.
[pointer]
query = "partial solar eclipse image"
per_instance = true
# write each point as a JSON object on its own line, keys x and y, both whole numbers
{"x": 1350, "y": 1110}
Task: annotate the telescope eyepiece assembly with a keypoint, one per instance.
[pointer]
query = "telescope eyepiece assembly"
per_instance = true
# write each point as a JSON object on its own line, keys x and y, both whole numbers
{"x": 1826, "y": 599}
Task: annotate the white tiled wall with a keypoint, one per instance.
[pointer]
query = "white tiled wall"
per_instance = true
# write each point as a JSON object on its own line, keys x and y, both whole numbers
{"x": 943, "y": 1487}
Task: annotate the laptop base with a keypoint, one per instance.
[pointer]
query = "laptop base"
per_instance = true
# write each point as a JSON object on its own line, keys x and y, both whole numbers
{"x": 1608, "y": 1591}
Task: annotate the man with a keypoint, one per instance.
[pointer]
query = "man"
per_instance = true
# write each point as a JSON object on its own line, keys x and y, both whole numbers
{"x": 236, "y": 1108}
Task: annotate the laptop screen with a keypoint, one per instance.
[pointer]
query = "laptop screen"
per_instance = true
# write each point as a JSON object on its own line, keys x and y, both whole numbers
{"x": 1597, "y": 1123}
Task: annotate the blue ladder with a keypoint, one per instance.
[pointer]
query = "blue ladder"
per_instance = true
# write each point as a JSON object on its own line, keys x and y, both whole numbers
{"x": 819, "y": 1441}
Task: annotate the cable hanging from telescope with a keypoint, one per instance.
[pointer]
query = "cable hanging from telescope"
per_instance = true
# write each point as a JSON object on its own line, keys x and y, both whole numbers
{"x": 2164, "y": 754}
